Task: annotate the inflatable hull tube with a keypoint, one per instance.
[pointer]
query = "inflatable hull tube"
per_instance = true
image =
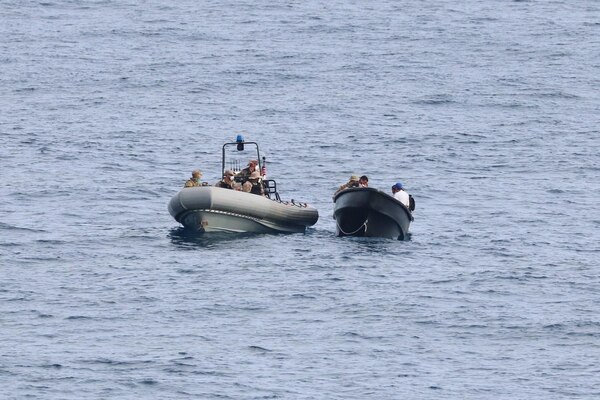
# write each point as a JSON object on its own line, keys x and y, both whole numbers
{"x": 213, "y": 209}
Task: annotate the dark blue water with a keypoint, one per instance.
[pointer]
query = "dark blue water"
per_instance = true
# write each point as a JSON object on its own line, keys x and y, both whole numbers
{"x": 488, "y": 112}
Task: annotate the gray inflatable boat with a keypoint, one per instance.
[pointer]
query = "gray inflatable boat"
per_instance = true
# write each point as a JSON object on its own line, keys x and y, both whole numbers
{"x": 213, "y": 209}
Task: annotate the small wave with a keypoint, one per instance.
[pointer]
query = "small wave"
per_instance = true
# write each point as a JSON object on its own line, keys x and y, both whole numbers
{"x": 360, "y": 336}
{"x": 259, "y": 349}
{"x": 51, "y": 366}
{"x": 24, "y": 90}
{"x": 50, "y": 241}
{"x": 561, "y": 95}
{"x": 186, "y": 271}
{"x": 435, "y": 101}
{"x": 210, "y": 373}
{"x": 78, "y": 317}
{"x": 6, "y": 226}
{"x": 148, "y": 381}
{"x": 303, "y": 296}
{"x": 109, "y": 361}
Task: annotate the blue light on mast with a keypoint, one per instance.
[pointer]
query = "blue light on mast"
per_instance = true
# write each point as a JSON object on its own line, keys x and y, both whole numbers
{"x": 240, "y": 141}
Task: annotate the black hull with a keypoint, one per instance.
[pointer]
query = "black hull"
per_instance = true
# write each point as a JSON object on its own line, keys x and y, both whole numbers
{"x": 371, "y": 213}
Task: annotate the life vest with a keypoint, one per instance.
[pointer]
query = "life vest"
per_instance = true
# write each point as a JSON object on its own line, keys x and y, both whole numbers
{"x": 224, "y": 185}
{"x": 256, "y": 188}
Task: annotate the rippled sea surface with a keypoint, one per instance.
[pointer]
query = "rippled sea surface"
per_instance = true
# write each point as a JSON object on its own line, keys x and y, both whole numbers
{"x": 488, "y": 112}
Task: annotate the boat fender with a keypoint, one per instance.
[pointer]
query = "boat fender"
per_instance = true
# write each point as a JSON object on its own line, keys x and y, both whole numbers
{"x": 411, "y": 203}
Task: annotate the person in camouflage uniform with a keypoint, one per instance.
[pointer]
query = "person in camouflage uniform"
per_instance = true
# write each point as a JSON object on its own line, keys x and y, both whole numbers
{"x": 353, "y": 182}
{"x": 195, "y": 179}
{"x": 227, "y": 181}
{"x": 257, "y": 186}
{"x": 244, "y": 174}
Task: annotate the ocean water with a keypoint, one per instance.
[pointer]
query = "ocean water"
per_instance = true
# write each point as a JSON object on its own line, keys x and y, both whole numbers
{"x": 488, "y": 112}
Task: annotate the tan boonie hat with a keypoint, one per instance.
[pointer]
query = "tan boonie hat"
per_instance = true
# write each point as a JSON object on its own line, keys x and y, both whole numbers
{"x": 228, "y": 172}
{"x": 196, "y": 172}
{"x": 353, "y": 178}
{"x": 254, "y": 175}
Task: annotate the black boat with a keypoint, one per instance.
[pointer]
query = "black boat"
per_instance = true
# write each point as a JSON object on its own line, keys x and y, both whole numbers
{"x": 370, "y": 212}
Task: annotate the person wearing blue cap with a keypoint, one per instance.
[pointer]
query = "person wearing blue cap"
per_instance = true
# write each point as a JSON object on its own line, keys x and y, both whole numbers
{"x": 400, "y": 194}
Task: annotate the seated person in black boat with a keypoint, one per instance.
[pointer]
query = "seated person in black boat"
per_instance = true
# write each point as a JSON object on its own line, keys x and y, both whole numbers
{"x": 363, "y": 181}
{"x": 227, "y": 181}
{"x": 353, "y": 182}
